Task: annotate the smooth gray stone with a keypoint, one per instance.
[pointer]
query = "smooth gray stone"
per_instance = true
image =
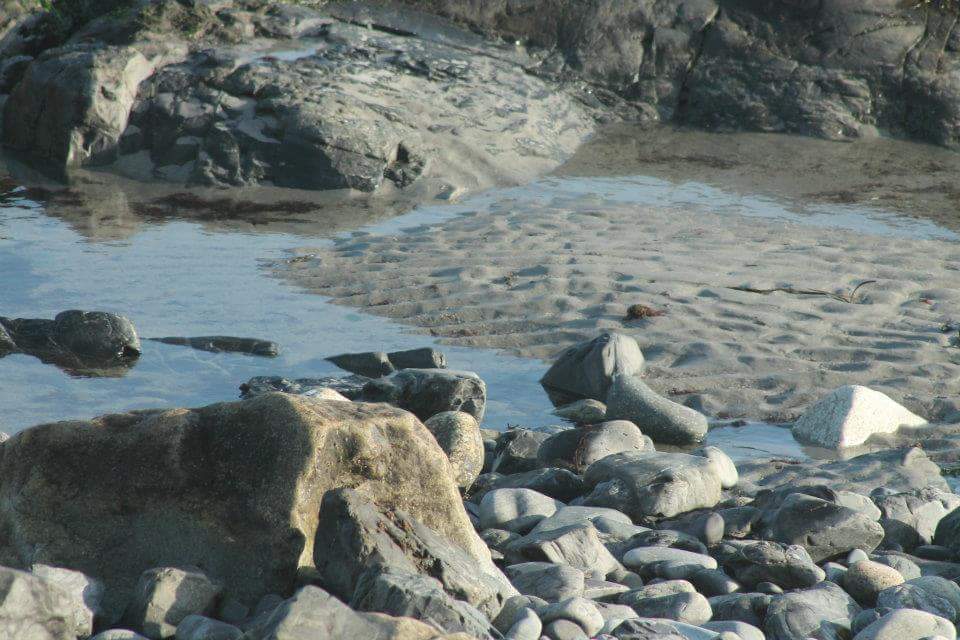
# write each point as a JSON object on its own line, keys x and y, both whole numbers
{"x": 738, "y": 522}
{"x": 824, "y": 529}
{"x": 517, "y": 451}
{"x": 629, "y": 398}
{"x": 614, "y": 614}
{"x": 118, "y": 634}
{"x": 674, "y": 600}
{"x": 579, "y": 448}
{"x": 31, "y": 607}
{"x": 907, "y": 567}
{"x": 586, "y": 369}
{"x": 644, "y": 560}
{"x": 908, "y": 624}
{"x": 799, "y": 614}
{"x": 422, "y": 358}
{"x": 647, "y": 629}
{"x": 864, "y": 580}
{"x": 576, "y": 545}
{"x": 594, "y": 589}
{"x": 728, "y": 470}
{"x": 743, "y": 630}
{"x": 865, "y": 618}
{"x": 565, "y": 516}
{"x": 458, "y": 434}
{"x": 513, "y": 609}
{"x": 744, "y": 607}
{"x": 165, "y": 596}
{"x": 911, "y": 518}
{"x": 666, "y": 538}
{"x": 708, "y": 527}
{"x": 427, "y": 392}
{"x": 196, "y": 627}
{"x": 229, "y": 344}
{"x": 913, "y": 596}
{"x": 587, "y": 411}
{"x": 552, "y": 582}
{"x": 420, "y": 597}
{"x": 941, "y": 587}
{"x": 712, "y": 582}
{"x": 754, "y": 561}
{"x": 526, "y": 627}
{"x": 517, "y": 510}
{"x": 560, "y": 484}
{"x": 564, "y": 630}
{"x": 85, "y": 593}
{"x": 579, "y": 610}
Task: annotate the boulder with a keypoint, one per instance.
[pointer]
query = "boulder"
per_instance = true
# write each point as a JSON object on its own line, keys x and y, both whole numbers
{"x": 560, "y": 484}
{"x": 914, "y": 596}
{"x": 195, "y": 627}
{"x": 458, "y": 434}
{"x": 33, "y": 609}
{"x": 370, "y": 364}
{"x": 586, "y": 370}
{"x": 165, "y": 596}
{"x": 629, "y": 398}
{"x": 752, "y": 562}
{"x": 582, "y": 411}
{"x": 849, "y": 416}
{"x": 422, "y": 358}
{"x": 650, "y": 483}
{"x": 233, "y": 487}
{"x": 85, "y": 593}
{"x": 801, "y": 614}
{"x": 552, "y": 582}
{"x": 823, "y": 528}
{"x": 575, "y": 545}
{"x": 517, "y": 510}
{"x": 427, "y": 392}
{"x": 517, "y": 451}
{"x": 354, "y": 536}
{"x": 908, "y": 624}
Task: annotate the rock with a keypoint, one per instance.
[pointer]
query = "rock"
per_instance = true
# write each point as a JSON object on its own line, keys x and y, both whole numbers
{"x": 564, "y": 630}
{"x": 653, "y": 483}
{"x": 560, "y": 484}
{"x": 517, "y": 510}
{"x": 908, "y": 624}
{"x": 517, "y": 451}
{"x": 742, "y": 630}
{"x": 582, "y": 447}
{"x": 647, "y": 629}
{"x": 576, "y": 545}
{"x": 914, "y": 596}
{"x": 526, "y": 627}
{"x": 859, "y": 503}
{"x": 419, "y": 597}
{"x": 586, "y": 411}
{"x": 165, "y": 596}
{"x": 708, "y": 527}
{"x": 234, "y": 487}
{"x": 229, "y": 344}
{"x": 744, "y": 607}
{"x": 947, "y": 533}
{"x": 427, "y": 392}
{"x": 32, "y": 608}
{"x": 350, "y": 387}
{"x": 644, "y": 560}
{"x": 370, "y": 364}
{"x": 118, "y": 634}
{"x": 800, "y": 614}
{"x": 586, "y": 370}
{"x": 552, "y": 582}
{"x": 727, "y": 470}
{"x": 423, "y": 358}
{"x": 712, "y": 582}
{"x": 577, "y": 610}
{"x": 195, "y": 627}
{"x": 864, "y": 580}
{"x": 902, "y": 563}
{"x": 566, "y": 516}
{"x": 823, "y": 528}
{"x": 314, "y": 613}
{"x": 738, "y": 522}
{"x": 514, "y": 608}
{"x": 674, "y": 600}
{"x": 85, "y": 593}
{"x": 354, "y": 536}
{"x": 458, "y": 434}
{"x": 849, "y": 416}
{"x": 939, "y": 587}
{"x": 751, "y": 562}
{"x": 76, "y": 341}
{"x": 665, "y": 538}
{"x": 629, "y": 398}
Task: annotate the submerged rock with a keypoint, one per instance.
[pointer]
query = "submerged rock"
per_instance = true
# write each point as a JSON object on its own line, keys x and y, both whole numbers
{"x": 218, "y": 344}
{"x": 629, "y": 398}
{"x": 850, "y": 415}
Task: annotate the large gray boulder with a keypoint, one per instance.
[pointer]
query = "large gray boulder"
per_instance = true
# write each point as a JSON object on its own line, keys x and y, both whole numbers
{"x": 586, "y": 370}
{"x": 629, "y": 398}
{"x": 575, "y": 545}
{"x": 651, "y": 483}
{"x": 33, "y": 609}
{"x": 235, "y": 488}
{"x": 354, "y": 537}
{"x": 823, "y": 528}
{"x": 427, "y": 392}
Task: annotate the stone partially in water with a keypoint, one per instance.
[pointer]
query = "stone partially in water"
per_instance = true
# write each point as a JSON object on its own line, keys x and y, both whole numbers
{"x": 427, "y": 392}
{"x": 371, "y": 364}
{"x": 585, "y": 371}
{"x": 219, "y": 344}
{"x": 629, "y": 398}
{"x": 850, "y": 415}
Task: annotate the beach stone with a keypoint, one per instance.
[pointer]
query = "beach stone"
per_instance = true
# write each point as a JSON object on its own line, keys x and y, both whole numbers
{"x": 908, "y": 624}
{"x": 314, "y": 613}
{"x": 857, "y": 555}
{"x": 427, "y": 392}
{"x": 629, "y": 398}
{"x": 913, "y": 596}
{"x": 118, "y": 634}
{"x": 32, "y": 608}
{"x": 371, "y": 364}
{"x": 744, "y": 607}
{"x": 85, "y": 593}
{"x": 597, "y": 590}
{"x": 940, "y": 587}
{"x": 864, "y": 580}
{"x": 165, "y": 596}
{"x": 647, "y": 629}
{"x": 644, "y": 560}
{"x": 422, "y": 358}
{"x": 575, "y": 545}
{"x": 665, "y": 538}
{"x": 355, "y": 536}
{"x": 800, "y": 614}
{"x": 420, "y": 597}
{"x": 235, "y": 487}
{"x": 711, "y": 582}
{"x": 350, "y": 387}
{"x": 578, "y": 610}
{"x": 586, "y": 370}
{"x": 566, "y": 516}
{"x": 513, "y": 609}
{"x": 726, "y": 468}
{"x": 586, "y": 411}
{"x": 614, "y": 614}
{"x": 834, "y": 571}
{"x": 458, "y": 434}
{"x": 708, "y": 527}
{"x": 742, "y": 630}
{"x": 738, "y": 522}
{"x": 195, "y": 627}
{"x": 517, "y": 451}
{"x": 947, "y": 533}
{"x": 526, "y": 627}
{"x": 859, "y": 503}
{"x": 848, "y": 416}
{"x": 673, "y": 599}
{"x": 560, "y": 484}
{"x": 607, "y": 438}
{"x": 823, "y": 528}
{"x": 652, "y": 483}
{"x": 751, "y": 562}
{"x": 564, "y": 630}
{"x": 552, "y": 582}
{"x": 517, "y": 510}
{"x": 902, "y": 563}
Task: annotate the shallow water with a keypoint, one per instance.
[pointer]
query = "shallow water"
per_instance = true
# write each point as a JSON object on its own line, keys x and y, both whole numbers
{"x": 188, "y": 277}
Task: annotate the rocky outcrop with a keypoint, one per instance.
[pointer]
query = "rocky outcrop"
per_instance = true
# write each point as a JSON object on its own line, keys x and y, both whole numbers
{"x": 234, "y": 488}
{"x": 77, "y": 341}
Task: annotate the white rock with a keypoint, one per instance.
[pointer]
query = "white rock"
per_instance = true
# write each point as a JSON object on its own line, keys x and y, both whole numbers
{"x": 85, "y": 593}
{"x": 726, "y": 469}
{"x": 850, "y": 415}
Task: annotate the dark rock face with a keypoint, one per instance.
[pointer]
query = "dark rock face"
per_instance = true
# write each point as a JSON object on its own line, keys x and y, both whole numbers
{"x": 427, "y": 392}
{"x": 77, "y": 341}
